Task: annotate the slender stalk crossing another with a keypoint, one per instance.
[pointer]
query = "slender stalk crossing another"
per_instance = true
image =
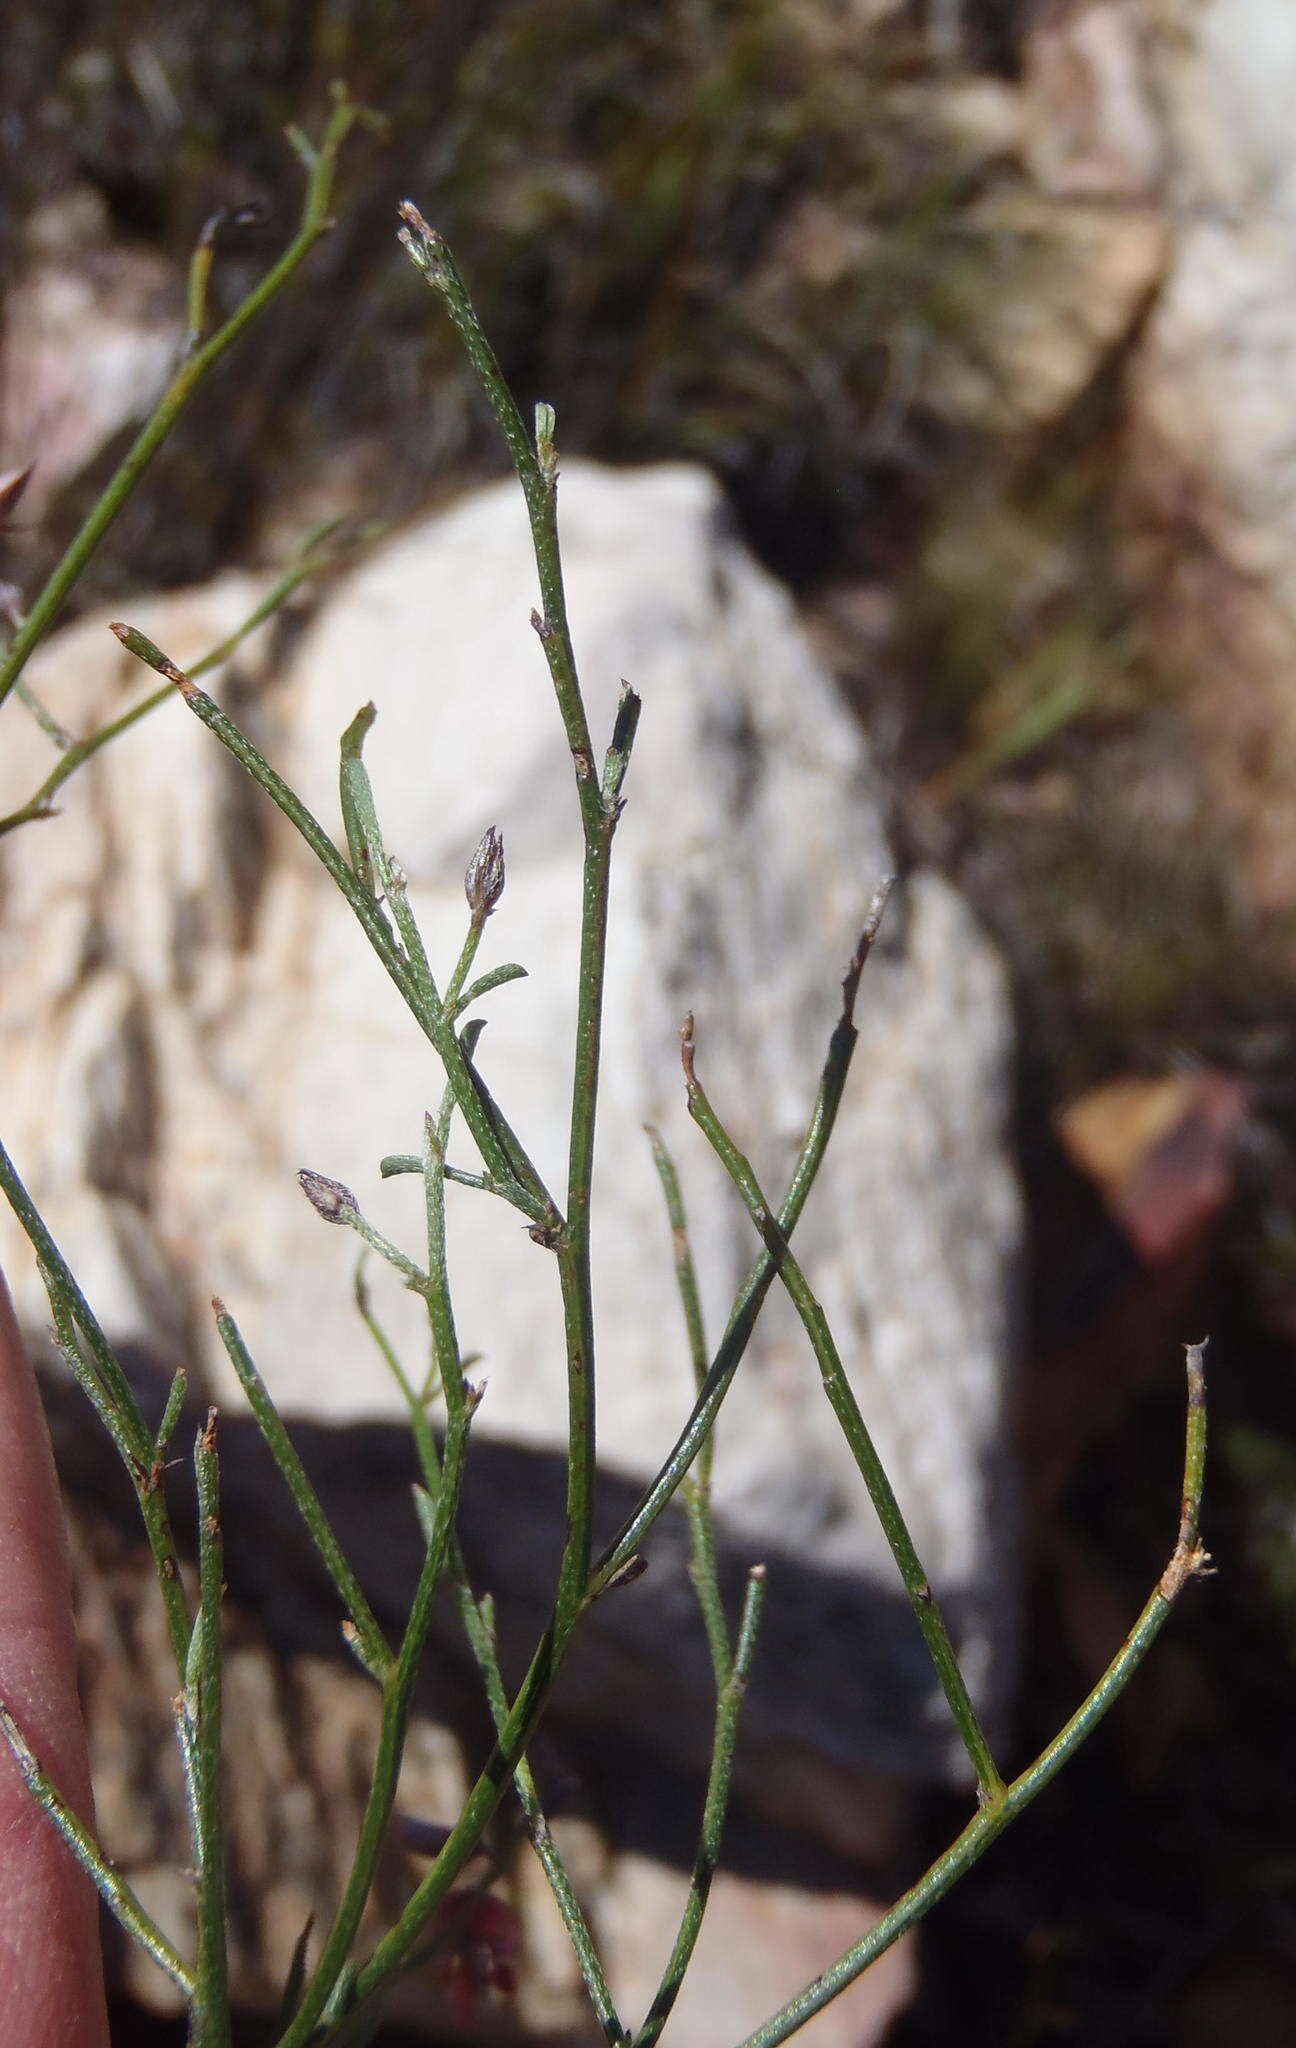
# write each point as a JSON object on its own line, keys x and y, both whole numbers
{"x": 334, "y": 1994}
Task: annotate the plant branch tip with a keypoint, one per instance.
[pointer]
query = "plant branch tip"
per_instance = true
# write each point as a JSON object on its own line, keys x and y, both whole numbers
{"x": 142, "y": 648}
{"x": 688, "y": 1051}
{"x": 868, "y": 935}
{"x": 415, "y": 222}
{"x": 485, "y": 875}
{"x": 331, "y": 1199}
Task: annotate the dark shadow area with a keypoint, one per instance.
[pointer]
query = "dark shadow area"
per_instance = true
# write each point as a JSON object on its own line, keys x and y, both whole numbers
{"x": 841, "y": 1676}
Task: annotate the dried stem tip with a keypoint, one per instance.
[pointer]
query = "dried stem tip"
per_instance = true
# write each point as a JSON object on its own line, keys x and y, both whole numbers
{"x": 331, "y": 1199}
{"x": 484, "y": 875}
{"x": 143, "y": 649}
{"x": 13, "y": 483}
{"x": 423, "y": 244}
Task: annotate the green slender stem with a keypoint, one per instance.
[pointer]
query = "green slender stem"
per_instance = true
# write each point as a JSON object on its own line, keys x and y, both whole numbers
{"x": 370, "y": 859}
{"x": 369, "y": 1642}
{"x": 515, "y": 1734}
{"x": 494, "y": 978}
{"x": 78, "y": 752}
{"x": 108, "y": 1388}
{"x": 477, "y": 1629}
{"x": 461, "y": 1402}
{"x": 455, "y": 998}
{"x": 1189, "y": 1561}
{"x": 537, "y": 474}
{"x": 841, "y": 1397}
{"x": 476, "y": 1620}
{"x": 697, "y": 1487}
{"x": 171, "y": 1413}
{"x": 415, "y": 1401}
{"x": 57, "y": 1274}
{"x": 111, "y": 1886}
{"x": 146, "y": 1479}
{"x": 386, "y": 1770}
{"x": 200, "y": 264}
{"x": 441, "y": 1322}
{"x": 751, "y": 1295}
{"x": 478, "y": 1111}
{"x": 209, "y": 2018}
{"x": 193, "y": 370}
{"x": 573, "y": 1244}
{"x": 57, "y": 734}
{"x": 728, "y": 1702}
{"x": 477, "y": 1625}
{"x": 475, "y": 1815}
{"x": 394, "y": 1163}
{"x": 511, "y": 1740}
{"x": 537, "y": 471}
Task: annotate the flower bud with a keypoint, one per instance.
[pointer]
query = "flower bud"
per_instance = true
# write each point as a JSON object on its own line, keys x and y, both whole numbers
{"x": 484, "y": 875}
{"x": 331, "y": 1199}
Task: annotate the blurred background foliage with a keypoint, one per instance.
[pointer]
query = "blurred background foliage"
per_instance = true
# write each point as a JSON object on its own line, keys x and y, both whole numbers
{"x": 809, "y": 244}
{"x": 775, "y": 236}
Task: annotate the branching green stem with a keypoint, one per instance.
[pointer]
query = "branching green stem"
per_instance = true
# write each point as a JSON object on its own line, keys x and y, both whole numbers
{"x": 728, "y": 1703}
{"x": 537, "y": 470}
{"x": 109, "y": 1391}
{"x": 479, "y": 1111}
{"x": 1188, "y": 1561}
{"x": 78, "y": 752}
{"x": 209, "y": 2018}
{"x": 512, "y": 1739}
{"x": 751, "y": 1295}
{"x": 368, "y": 1642}
{"x": 845, "y": 1407}
{"x": 476, "y": 1619}
{"x": 391, "y": 1738}
{"x": 111, "y": 1886}
{"x": 442, "y": 1547}
{"x": 314, "y": 222}
{"x": 697, "y": 1487}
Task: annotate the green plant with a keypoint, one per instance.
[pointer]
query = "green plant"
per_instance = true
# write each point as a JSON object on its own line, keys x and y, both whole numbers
{"x": 334, "y": 1996}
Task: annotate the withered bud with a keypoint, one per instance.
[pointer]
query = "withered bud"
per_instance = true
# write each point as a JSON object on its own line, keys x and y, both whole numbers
{"x": 414, "y": 220}
{"x": 424, "y": 246}
{"x": 484, "y": 875}
{"x": 331, "y": 1199}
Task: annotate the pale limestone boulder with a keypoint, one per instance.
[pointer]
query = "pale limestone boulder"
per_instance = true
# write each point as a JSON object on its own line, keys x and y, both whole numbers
{"x": 92, "y": 331}
{"x": 190, "y": 1015}
{"x": 1210, "y": 449}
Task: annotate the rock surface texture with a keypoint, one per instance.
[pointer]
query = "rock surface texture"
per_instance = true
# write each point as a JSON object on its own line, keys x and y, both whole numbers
{"x": 191, "y": 1016}
{"x": 1181, "y": 113}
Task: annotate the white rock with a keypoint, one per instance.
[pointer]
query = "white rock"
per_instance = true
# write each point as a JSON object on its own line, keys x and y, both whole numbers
{"x": 214, "y": 954}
